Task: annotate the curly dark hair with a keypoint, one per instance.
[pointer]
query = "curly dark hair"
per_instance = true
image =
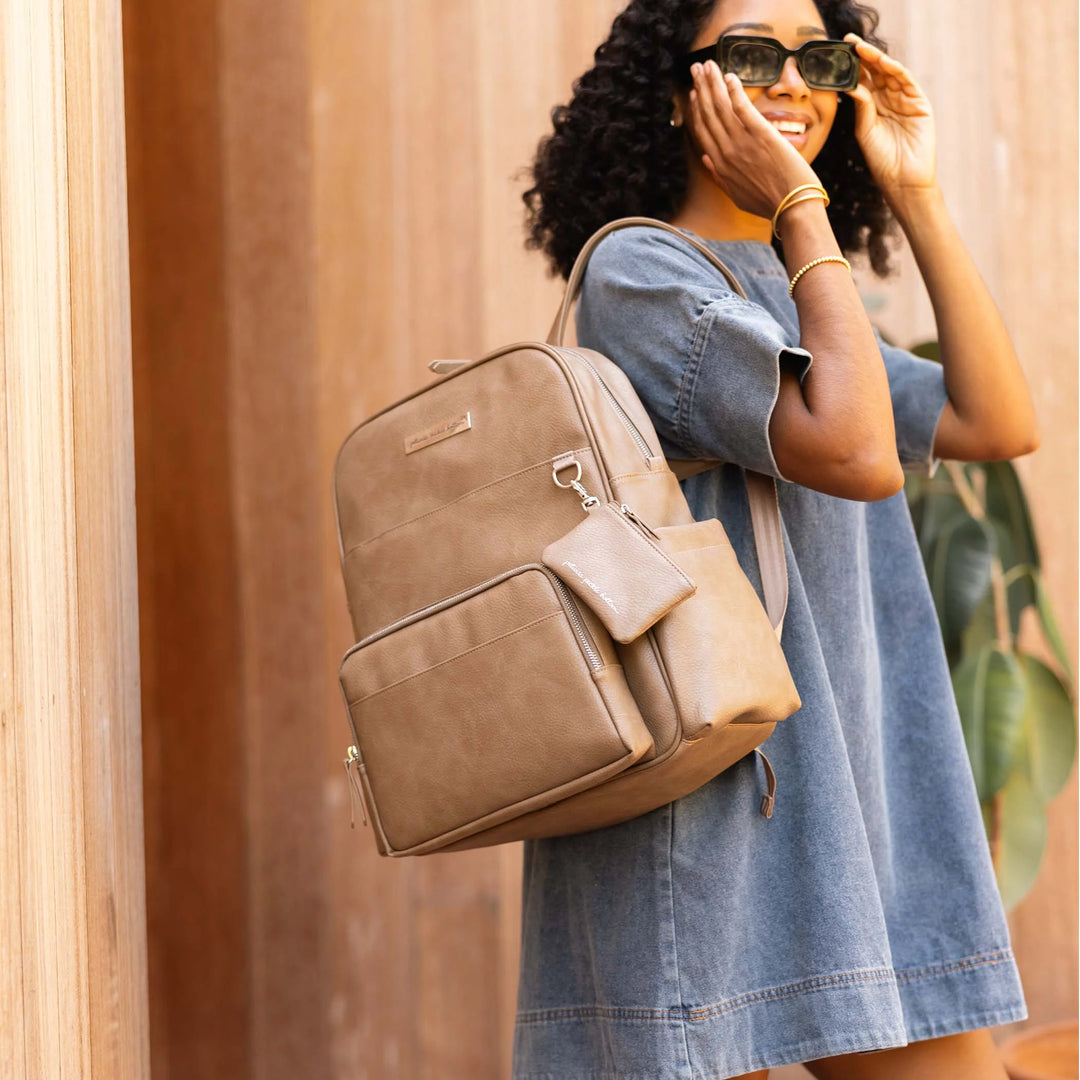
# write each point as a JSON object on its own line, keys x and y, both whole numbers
{"x": 613, "y": 153}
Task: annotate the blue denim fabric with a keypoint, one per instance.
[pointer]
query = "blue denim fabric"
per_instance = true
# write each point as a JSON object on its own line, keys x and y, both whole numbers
{"x": 702, "y": 940}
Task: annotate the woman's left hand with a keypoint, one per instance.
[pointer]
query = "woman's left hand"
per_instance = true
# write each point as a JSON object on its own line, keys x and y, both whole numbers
{"x": 894, "y": 124}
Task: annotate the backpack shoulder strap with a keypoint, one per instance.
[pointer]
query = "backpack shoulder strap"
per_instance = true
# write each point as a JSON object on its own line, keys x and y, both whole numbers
{"x": 760, "y": 489}
{"x": 577, "y": 272}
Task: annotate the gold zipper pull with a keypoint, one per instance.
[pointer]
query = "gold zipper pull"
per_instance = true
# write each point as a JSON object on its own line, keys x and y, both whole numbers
{"x": 636, "y": 520}
{"x": 352, "y": 757}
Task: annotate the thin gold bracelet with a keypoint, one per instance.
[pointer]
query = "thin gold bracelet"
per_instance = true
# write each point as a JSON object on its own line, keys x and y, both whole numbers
{"x": 824, "y": 258}
{"x": 785, "y": 201}
{"x": 789, "y": 205}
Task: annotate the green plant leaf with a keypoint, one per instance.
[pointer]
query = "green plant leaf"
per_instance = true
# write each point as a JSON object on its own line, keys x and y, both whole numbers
{"x": 1050, "y": 627}
{"x": 960, "y": 574}
{"x": 940, "y": 508}
{"x": 1006, "y": 503}
{"x": 1049, "y": 729}
{"x": 989, "y": 688}
{"x": 1020, "y": 585}
{"x": 929, "y": 349}
{"x": 1022, "y": 840}
{"x": 981, "y": 628}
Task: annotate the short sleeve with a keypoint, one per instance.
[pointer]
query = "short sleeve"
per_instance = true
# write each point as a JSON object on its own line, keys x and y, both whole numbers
{"x": 919, "y": 396}
{"x": 704, "y": 361}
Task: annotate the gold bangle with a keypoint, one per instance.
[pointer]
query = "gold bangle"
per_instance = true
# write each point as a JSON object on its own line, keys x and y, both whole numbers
{"x": 824, "y": 258}
{"x": 796, "y": 190}
{"x": 784, "y": 202}
{"x": 789, "y": 205}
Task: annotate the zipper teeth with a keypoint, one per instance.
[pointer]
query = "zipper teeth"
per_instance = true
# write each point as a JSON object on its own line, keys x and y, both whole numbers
{"x": 575, "y": 621}
{"x": 643, "y": 446}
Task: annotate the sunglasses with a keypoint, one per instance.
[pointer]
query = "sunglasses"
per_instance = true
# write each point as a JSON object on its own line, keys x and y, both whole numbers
{"x": 823, "y": 64}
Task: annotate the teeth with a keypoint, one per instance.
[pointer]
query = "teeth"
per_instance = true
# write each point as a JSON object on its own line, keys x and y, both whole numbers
{"x": 797, "y": 127}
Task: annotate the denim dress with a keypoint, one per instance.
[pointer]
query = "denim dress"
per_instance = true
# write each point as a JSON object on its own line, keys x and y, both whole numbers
{"x": 703, "y": 940}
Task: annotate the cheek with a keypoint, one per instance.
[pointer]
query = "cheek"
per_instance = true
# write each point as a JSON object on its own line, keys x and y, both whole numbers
{"x": 826, "y": 110}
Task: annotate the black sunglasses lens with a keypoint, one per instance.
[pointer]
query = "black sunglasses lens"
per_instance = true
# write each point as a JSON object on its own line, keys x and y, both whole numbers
{"x": 755, "y": 64}
{"x": 827, "y": 68}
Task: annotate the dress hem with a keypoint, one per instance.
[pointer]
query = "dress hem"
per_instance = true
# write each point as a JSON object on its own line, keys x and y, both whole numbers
{"x": 858, "y": 1011}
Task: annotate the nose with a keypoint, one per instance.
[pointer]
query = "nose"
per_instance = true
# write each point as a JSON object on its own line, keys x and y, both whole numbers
{"x": 790, "y": 82}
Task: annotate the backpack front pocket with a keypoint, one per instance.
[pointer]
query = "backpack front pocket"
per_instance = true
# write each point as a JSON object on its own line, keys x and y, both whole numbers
{"x": 485, "y": 706}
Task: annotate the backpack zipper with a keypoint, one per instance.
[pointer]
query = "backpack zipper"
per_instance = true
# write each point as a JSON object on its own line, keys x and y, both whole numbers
{"x": 577, "y": 623}
{"x": 570, "y": 607}
{"x": 352, "y": 757}
{"x": 642, "y": 445}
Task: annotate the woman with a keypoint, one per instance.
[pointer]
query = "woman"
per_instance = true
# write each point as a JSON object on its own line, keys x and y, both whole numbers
{"x": 858, "y": 930}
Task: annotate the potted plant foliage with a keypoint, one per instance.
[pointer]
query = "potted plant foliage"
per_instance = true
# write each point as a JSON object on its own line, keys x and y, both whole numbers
{"x": 1016, "y": 708}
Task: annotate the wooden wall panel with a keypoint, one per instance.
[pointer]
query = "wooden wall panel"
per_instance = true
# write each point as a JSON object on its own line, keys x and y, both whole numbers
{"x": 278, "y": 490}
{"x": 188, "y": 569}
{"x": 72, "y": 912}
{"x": 325, "y": 196}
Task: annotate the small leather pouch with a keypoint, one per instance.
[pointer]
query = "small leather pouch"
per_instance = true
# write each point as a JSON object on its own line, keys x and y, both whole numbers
{"x": 613, "y": 561}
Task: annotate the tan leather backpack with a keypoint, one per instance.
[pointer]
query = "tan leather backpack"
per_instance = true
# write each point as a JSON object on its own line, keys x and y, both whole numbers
{"x": 488, "y": 704}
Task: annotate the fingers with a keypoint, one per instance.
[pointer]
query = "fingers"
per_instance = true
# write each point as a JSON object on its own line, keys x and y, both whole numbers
{"x": 863, "y": 91}
{"x": 743, "y": 107}
{"x": 706, "y": 121}
{"x": 713, "y": 100}
{"x": 883, "y": 69}
{"x": 732, "y": 107}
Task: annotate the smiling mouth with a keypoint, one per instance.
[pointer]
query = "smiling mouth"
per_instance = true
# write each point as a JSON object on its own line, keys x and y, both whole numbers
{"x": 790, "y": 127}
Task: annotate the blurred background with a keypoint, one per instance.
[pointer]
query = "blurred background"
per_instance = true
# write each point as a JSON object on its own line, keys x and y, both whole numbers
{"x": 321, "y": 197}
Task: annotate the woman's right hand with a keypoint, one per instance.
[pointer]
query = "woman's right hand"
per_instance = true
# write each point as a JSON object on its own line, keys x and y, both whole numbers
{"x": 745, "y": 155}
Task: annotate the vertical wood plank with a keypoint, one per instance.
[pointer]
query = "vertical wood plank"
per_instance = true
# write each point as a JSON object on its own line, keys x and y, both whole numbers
{"x": 72, "y": 928}
{"x": 271, "y": 385}
{"x": 188, "y": 569}
{"x": 365, "y": 317}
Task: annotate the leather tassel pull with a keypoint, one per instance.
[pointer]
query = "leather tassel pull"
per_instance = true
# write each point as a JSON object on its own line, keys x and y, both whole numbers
{"x": 769, "y": 797}
{"x": 355, "y": 794}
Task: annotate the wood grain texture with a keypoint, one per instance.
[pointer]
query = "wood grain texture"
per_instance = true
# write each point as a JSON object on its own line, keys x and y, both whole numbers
{"x": 72, "y": 912}
{"x": 324, "y": 197}
{"x": 190, "y": 638}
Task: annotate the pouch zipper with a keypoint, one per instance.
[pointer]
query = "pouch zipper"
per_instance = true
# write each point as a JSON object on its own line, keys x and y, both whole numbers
{"x": 637, "y": 521}
{"x": 642, "y": 445}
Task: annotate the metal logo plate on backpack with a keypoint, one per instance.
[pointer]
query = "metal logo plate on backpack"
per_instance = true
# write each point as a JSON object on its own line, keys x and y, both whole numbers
{"x": 442, "y": 430}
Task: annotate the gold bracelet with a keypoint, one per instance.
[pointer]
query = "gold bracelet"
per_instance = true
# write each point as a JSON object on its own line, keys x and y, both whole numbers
{"x": 814, "y": 262}
{"x": 801, "y": 198}
{"x": 784, "y": 202}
